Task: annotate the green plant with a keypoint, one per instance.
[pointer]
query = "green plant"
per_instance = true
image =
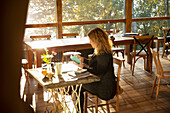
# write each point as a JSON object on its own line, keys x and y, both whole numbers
{"x": 48, "y": 57}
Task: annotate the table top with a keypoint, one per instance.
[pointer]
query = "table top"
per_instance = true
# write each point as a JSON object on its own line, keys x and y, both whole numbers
{"x": 69, "y": 76}
{"x": 40, "y": 44}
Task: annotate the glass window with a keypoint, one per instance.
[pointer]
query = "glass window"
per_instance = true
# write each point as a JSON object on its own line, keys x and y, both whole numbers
{"x": 151, "y": 27}
{"x": 88, "y": 10}
{"x": 40, "y": 31}
{"x": 86, "y": 28}
{"x": 150, "y": 8}
{"x": 41, "y": 11}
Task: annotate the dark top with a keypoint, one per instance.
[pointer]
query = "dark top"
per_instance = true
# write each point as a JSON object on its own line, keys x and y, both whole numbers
{"x": 102, "y": 66}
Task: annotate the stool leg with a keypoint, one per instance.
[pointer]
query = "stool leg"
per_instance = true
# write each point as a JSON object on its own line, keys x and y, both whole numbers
{"x": 96, "y": 104}
{"x": 107, "y": 105}
{"x": 123, "y": 58}
{"x": 85, "y": 102}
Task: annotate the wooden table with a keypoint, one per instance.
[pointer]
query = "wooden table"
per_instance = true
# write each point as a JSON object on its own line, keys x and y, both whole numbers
{"x": 57, "y": 87}
{"x": 65, "y": 45}
{"x": 158, "y": 41}
{"x": 59, "y": 44}
{"x": 71, "y": 44}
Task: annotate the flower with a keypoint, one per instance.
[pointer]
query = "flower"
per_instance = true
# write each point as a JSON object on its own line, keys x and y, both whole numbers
{"x": 48, "y": 57}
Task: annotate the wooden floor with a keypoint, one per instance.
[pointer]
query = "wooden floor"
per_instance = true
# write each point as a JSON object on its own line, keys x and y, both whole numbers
{"x": 136, "y": 97}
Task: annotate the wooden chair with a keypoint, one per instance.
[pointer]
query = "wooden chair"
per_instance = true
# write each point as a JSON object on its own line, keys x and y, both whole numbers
{"x": 117, "y": 61}
{"x": 145, "y": 42}
{"x": 166, "y": 43}
{"x": 40, "y": 37}
{"x": 160, "y": 74}
{"x": 117, "y": 50}
{"x": 70, "y": 34}
{"x": 25, "y": 65}
{"x": 66, "y": 55}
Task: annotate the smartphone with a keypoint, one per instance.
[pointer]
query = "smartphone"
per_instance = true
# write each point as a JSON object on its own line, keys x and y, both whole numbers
{"x": 74, "y": 58}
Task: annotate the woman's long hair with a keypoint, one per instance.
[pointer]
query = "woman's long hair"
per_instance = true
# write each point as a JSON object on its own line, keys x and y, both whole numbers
{"x": 100, "y": 38}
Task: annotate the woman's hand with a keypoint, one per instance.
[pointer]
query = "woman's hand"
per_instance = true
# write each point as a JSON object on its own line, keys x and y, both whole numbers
{"x": 81, "y": 65}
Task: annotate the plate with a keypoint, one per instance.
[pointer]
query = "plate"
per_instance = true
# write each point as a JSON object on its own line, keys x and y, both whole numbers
{"x": 168, "y": 57}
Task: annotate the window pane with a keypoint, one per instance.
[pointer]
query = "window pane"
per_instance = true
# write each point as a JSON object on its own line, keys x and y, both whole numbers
{"x": 87, "y": 28}
{"x": 151, "y": 27}
{"x": 41, "y": 11}
{"x": 86, "y": 10}
{"x": 40, "y": 31}
{"x": 150, "y": 8}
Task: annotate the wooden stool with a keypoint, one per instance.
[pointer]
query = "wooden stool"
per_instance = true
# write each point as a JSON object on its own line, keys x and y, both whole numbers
{"x": 66, "y": 55}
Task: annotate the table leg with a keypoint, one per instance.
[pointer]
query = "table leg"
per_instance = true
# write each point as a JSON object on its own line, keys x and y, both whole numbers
{"x": 29, "y": 55}
{"x": 63, "y": 102}
{"x": 129, "y": 49}
{"x": 35, "y": 58}
{"x": 148, "y": 64}
{"x": 39, "y": 60}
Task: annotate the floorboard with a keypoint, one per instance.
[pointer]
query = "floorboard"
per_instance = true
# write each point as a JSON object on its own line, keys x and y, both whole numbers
{"x": 136, "y": 97}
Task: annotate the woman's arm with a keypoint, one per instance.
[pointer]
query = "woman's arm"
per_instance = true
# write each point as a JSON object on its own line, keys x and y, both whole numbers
{"x": 99, "y": 64}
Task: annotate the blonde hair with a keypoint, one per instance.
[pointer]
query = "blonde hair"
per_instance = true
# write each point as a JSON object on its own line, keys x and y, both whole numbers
{"x": 101, "y": 41}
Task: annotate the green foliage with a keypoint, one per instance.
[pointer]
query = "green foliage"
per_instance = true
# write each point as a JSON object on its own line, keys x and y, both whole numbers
{"x": 150, "y": 8}
{"x": 44, "y": 11}
{"x": 46, "y": 59}
{"x": 88, "y": 10}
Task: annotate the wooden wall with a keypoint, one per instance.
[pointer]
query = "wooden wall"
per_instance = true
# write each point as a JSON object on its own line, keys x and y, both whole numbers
{"x": 13, "y": 18}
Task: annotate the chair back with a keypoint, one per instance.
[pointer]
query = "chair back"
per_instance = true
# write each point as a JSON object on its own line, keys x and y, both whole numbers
{"x": 166, "y": 32}
{"x": 40, "y": 37}
{"x": 159, "y": 69}
{"x": 168, "y": 36}
{"x": 118, "y": 61}
{"x": 70, "y": 34}
{"x": 145, "y": 42}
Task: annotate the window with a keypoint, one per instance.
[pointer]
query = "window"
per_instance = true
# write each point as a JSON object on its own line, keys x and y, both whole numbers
{"x": 41, "y": 11}
{"x": 151, "y": 27}
{"x": 150, "y": 8}
{"x": 88, "y": 27}
{"x": 40, "y": 31}
{"x": 88, "y": 10}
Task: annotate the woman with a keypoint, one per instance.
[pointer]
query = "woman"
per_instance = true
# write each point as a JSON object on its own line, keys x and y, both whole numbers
{"x": 100, "y": 64}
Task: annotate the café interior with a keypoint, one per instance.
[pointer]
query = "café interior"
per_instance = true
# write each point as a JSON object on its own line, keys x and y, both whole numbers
{"x": 33, "y": 28}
